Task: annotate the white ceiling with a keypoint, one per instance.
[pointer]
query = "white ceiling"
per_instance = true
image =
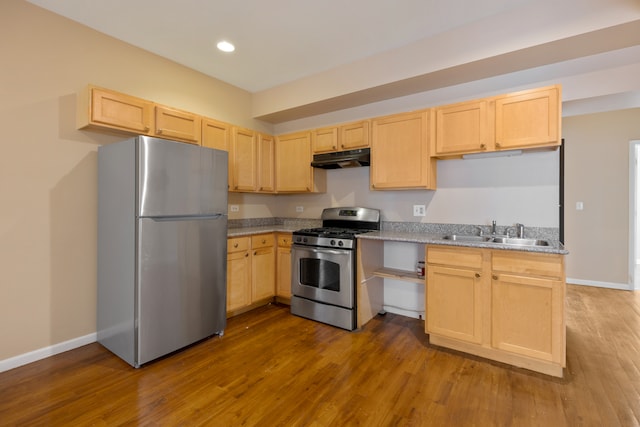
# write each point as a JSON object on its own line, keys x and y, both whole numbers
{"x": 305, "y": 57}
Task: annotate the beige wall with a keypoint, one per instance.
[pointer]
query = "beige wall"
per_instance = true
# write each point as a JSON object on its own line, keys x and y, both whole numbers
{"x": 597, "y": 174}
{"x": 48, "y": 168}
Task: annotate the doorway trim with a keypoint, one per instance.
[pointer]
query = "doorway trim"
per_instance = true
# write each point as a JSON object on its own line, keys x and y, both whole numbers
{"x": 634, "y": 176}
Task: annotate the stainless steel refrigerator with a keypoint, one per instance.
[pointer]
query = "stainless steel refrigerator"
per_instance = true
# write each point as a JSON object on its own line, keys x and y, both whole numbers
{"x": 162, "y": 231}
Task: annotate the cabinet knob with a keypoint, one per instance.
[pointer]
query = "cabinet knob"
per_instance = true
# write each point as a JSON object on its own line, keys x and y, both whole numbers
{"x": 235, "y": 246}
{"x": 497, "y": 145}
{"x": 255, "y": 253}
{"x": 159, "y": 131}
{"x": 483, "y": 146}
{"x": 477, "y": 275}
{"x": 246, "y": 255}
{"x": 147, "y": 128}
{"x": 264, "y": 241}
{"x": 494, "y": 277}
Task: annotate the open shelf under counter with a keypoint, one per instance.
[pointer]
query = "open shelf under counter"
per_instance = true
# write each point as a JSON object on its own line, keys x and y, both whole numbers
{"x": 394, "y": 273}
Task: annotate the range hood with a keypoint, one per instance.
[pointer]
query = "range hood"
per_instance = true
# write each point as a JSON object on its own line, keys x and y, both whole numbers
{"x": 342, "y": 159}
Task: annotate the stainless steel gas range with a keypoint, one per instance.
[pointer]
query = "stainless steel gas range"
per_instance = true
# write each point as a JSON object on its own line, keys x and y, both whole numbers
{"x": 323, "y": 266}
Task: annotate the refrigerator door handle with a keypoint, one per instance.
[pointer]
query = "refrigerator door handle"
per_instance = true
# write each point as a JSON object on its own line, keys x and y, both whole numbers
{"x": 183, "y": 217}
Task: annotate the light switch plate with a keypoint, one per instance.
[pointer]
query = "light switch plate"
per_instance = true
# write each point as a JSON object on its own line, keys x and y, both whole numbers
{"x": 419, "y": 210}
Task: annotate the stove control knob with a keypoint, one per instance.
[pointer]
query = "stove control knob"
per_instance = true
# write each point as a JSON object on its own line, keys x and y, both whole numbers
{"x": 304, "y": 239}
{"x": 340, "y": 243}
{"x": 333, "y": 243}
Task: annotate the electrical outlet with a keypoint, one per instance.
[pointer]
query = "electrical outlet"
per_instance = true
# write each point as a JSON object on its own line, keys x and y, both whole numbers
{"x": 299, "y": 208}
{"x": 235, "y": 208}
{"x": 419, "y": 210}
{"x": 579, "y": 206}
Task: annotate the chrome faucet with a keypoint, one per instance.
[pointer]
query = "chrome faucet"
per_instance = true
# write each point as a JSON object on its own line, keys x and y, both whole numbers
{"x": 520, "y": 230}
{"x": 493, "y": 227}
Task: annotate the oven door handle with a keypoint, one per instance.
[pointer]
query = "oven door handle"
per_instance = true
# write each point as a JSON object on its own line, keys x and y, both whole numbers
{"x": 321, "y": 250}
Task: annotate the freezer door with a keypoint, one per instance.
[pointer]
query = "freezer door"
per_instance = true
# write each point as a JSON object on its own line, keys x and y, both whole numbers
{"x": 178, "y": 179}
{"x": 181, "y": 289}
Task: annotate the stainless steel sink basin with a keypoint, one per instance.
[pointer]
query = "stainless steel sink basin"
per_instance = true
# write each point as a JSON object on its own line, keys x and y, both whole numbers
{"x": 517, "y": 241}
{"x": 467, "y": 238}
{"x": 503, "y": 240}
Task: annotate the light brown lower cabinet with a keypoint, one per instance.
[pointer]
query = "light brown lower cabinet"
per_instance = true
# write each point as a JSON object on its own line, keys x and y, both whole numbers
{"x": 238, "y": 273}
{"x": 251, "y": 272}
{"x": 283, "y": 269}
{"x": 503, "y": 305}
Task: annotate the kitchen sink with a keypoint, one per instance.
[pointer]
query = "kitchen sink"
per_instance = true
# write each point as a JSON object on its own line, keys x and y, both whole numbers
{"x": 503, "y": 240}
{"x": 517, "y": 241}
{"x": 467, "y": 238}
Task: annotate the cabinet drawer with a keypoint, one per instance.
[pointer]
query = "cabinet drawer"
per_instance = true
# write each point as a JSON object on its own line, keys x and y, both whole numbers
{"x": 530, "y": 264}
{"x": 237, "y": 244}
{"x": 262, "y": 241}
{"x": 454, "y": 256}
{"x": 284, "y": 240}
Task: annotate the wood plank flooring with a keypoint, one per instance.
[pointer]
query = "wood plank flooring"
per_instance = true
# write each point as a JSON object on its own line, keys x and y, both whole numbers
{"x": 275, "y": 369}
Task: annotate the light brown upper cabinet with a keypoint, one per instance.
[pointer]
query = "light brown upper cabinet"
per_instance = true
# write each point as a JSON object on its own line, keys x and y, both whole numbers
{"x": 522, "y": 120}
{"x": 400, "y": 152}
{"x": 325, "y": 140}
{"x": 244, "y": 160}
{"x": 349, "y": 136}
{"x": 528, "y": 119}
{"x": 177, "y": 125}
{"x": 354, "y": 135}
{"x": 294, "y": 173}
{"x": 105, "y": 108}
{"x": 463, "y": 128}
{"x": 216, "y": 134}
{"x": 266, "y": 160}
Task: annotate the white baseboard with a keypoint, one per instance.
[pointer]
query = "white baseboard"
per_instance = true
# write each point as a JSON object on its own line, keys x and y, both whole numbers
{"x": 43, "y": 353}
{"x": 610, "y": 285}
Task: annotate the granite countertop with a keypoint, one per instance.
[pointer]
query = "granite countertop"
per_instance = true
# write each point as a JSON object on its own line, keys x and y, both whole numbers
{"x": 554, "y": 247}
{"x": 405, "y": 232}
{"x": 247, "y": 231}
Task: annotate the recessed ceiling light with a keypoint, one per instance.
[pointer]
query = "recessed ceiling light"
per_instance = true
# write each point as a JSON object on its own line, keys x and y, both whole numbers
{"x": 225, "y": 46}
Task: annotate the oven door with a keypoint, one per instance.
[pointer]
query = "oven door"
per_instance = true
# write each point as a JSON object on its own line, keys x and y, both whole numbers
{"x": 323, "y": 274}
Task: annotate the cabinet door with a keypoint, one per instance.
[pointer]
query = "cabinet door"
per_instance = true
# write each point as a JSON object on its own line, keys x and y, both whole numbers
{"x": 263, "y": 281}
{"x": 120, "y": 111}
{"x": 527, "y": 316}
{"x": 283, "y": 269}
{"x": 266, "y": 159}
{"x": 293, "y": 163}
{"x": 463, "y": 128}
{"x": 244, "y": 154}
{"x": 354, "y": 135}
{"x": 215, "y": 134}
{"x": 454, "y": 303}
{"x": 238, "y": 280}
{"x": 528, "y": 119}
{"x": 325, "y": 140}
{"x": 179, "y": 125}
{"x": 400, "y": 153}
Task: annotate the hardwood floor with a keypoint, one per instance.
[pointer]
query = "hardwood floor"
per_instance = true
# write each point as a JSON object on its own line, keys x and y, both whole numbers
{"x": 275, "y": 369}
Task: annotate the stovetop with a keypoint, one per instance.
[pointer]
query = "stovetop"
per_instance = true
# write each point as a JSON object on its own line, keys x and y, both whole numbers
{"x": 330, "y": 232}
{"x": 339, "y": 228}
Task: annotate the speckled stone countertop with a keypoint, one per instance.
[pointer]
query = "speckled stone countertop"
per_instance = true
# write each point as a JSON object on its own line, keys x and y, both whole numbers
{"x": 247, "y": 227}
{"x": 410, "y": 232}
{"x": 436, "y": 238}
